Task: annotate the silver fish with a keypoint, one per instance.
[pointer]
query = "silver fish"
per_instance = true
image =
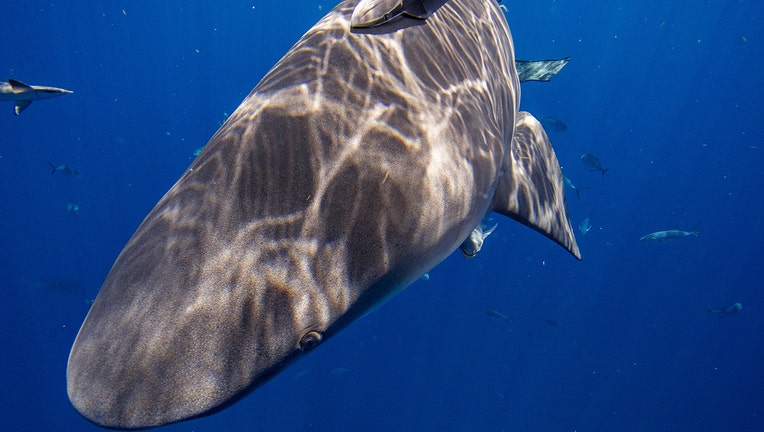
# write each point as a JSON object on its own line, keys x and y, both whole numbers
{"x": 659, "y": 236}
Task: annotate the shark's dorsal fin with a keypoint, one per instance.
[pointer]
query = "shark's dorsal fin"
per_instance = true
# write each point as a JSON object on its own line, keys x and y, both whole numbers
{"x": 18, "y": 86}
{"x": 373, "y": 13}
{"x": 21, "y": 106}
{"x": 532, "y": 190}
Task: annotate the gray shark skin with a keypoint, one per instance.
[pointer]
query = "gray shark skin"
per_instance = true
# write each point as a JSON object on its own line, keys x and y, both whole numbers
{"x": 23, "y": 94}
{"x": 358, "y": 163}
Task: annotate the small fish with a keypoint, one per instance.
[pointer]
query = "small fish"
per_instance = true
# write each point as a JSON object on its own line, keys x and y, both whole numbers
{"x": 572, "y": 186}
{"x": 198, "y": 150}
{"x": 554, "y": 124}
{"x": 586, "y": 225}
{"x": 593, "y": 163}
{"x": 539, "y": 70}
{"x": 67, "y": 170}
{"x": 340, "y": 371}
{"x": 74, "y": 209}
{"x": 498, "y": 316}
{"x": 669, "y": 234}
{"x": 727, "y": 310}
{"x": 474, "y": 242}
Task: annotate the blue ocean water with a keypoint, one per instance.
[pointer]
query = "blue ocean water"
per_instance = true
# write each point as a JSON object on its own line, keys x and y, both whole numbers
{"x": 666, "y": 94}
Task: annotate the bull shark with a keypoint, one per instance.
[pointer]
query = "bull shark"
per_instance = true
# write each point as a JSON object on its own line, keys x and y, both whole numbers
{"x": 360, "y": 161}
{"x": 23, "y": 94}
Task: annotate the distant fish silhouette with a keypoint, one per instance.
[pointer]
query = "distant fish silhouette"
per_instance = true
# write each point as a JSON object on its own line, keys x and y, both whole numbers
{"x": 586, "y": 225}
{"x": 67, "y": 170}
{"x": 669, "y": 234}
{"x": 74, "y": 209}
{"x": 498, "y": 316}
{"x": 554, "y": 124}
{"x": 593, "y": 163}
{"x": 727, "y": 310}
{"x": 570, "y": 184}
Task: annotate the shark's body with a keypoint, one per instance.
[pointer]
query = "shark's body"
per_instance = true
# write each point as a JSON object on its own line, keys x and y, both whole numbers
{"x": 360, "y": 161}
{"x": 23, "y": 94}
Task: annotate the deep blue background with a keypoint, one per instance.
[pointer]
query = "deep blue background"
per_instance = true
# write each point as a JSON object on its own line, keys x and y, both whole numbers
{"x": 667, "y": 94}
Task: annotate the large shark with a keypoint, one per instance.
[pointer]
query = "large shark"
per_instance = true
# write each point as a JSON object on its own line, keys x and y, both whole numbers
{"x": 22, "y": 95}
{"x": 364, "y": 158}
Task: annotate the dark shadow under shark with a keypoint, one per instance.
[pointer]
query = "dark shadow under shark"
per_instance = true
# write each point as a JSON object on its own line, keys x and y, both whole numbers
{"x": 358, "y": 163}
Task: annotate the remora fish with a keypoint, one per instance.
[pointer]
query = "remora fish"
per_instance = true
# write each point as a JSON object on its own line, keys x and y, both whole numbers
{"x": 474, "y": 242}
{"x": 593, "y": 163}
{"x": 360, "y": 161}
{"x": 669, "y": 234}
{"x": 24, "y": 94}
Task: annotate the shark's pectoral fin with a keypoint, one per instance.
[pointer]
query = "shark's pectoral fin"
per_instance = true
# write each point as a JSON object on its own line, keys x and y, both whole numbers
{"x": 21, "y": 106}
{"x": 532, "y": 190}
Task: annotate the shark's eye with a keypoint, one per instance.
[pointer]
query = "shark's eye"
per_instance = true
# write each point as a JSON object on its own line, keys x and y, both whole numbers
{"x": 310, "y": 340}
